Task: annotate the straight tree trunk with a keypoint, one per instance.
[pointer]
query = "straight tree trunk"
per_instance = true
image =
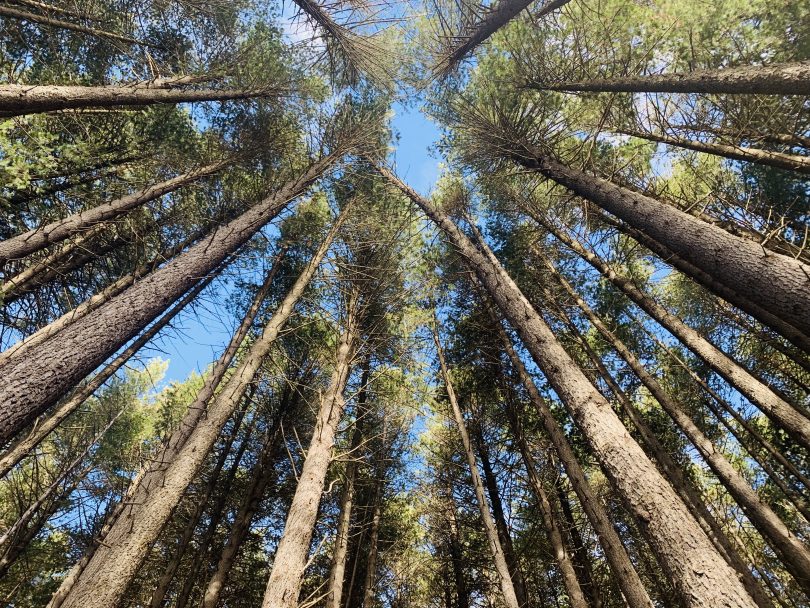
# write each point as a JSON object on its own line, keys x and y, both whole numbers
{"x": 778, "y": 283}
{"x": 699, "y": 572}
{"x": 776, "y": 408}
{"x": 781, "y": 160}
{"x": 21, "y": 99}
{"x": 289, "y": 562}
{"x": 105, "y": 578}
{"x": 370, "y": 581}
{"x": 45, "y": 427}
{"x": 790, "y": 550}
{"x": 31, "y": 386}
{"x": 25, "y": 244}
{"x": 456, "y": 555}
{"x": 498, "y": 557}
{"x": 775, "y": 79}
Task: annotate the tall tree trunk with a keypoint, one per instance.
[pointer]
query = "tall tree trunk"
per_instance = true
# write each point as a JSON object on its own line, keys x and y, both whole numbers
{"x": 775, "y": 79}
{"x": 495, "y": 547}
{"x": 790, "y": 550}
{"x": 699, "y": 572}
{"x": 45, "y": 427}
{"x": 25, "y": 244}
{"x": 781, "y": 160}
{"x": 334, "y": 593}
{"x": 105, "y": 578}
{"x": 32, "y": 385}
{"x": 793, "y": 421}
{"x": 290, "y": 560}
{"x": 370, "y": 581}
{"x": 21, "y": 99}
{"x": 456, "y": 555}
{"x": 776, "y": 282}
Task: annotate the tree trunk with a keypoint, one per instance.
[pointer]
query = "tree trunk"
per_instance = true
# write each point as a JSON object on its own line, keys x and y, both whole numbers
{"x": 371, "y": 564}
{"x": 699, "y": 573}
{"x": 776, "y": 282}
{"x": 456, "y": 555}
{"x": 44, "y": 428}
{"x": 781, "y": 160}
{"x": 21, "y": 99}
{"x": 790, "y": 550}
{"x": 498, "y": 557}
{"x": 104, "y": 580}
{"x": 290, "y": 560}
{"x": 25, "y": 244}
{"x": 31, "y": 386}
{"x": 758, "y": 393}
{"x": 775, "y": 79}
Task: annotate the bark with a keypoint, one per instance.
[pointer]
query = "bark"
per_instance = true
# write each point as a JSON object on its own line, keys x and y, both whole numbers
{"x": 22, "y": 99}
{"x": 45, "y": 427}
{"x": 371, "y": 564}
{"x": 759, "y": 394}
{"x": 25, "y": 244}
{"x": 290, "y": 560}
{"x": 788, "y": 139}
{"x": 456, "y": 556}
{"x": 104, "y": 580}
{"x": 776, "y": 282}
{"x": 790, "y": 550}
{"x": 775, "y": 79}
{"x": 34, "y": 384}
{"x": 699, "y": 573}
{"x": 781, "y": 160}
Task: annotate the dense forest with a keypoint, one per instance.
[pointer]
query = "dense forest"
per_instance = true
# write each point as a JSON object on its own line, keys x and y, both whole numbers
{"x": 574, "y": 372}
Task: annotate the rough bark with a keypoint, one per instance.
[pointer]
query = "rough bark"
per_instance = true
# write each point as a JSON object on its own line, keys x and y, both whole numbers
{"x": 45, "y": 427}
{"x": 371, "y": 564}
{"x": 790, "y": 549}
{"x": 752, "y": 388}
{"x": 290, "y": 560}
{"x": 21, "y": 99}
{"x": 495, "y": 547}
{"x": 699, "y": 572}
{"x": 44, "y": 236}
{"x": 48, "y": 373}
{"x": 775, "y": 79}
{"x": 114, "y": 563}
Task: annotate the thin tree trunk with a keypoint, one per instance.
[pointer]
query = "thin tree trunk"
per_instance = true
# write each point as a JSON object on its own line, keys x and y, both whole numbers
{"x": 21, "y": 99}
{"x": 498, "y": 557}
{"x": 104, "y": 580}
{"x": 31, "y": 386}
{"x": 289, "y": 562}
{"x": 373, "y": 549}
{"x": 699, "y": 573}
{"x": 775, "y": 79}
{"x": 791, "y": 551}
{"x": 781, "y": 160}
{"x": 45, "y": 427}
{"x": 25, "y": 244}
{"x": 456, "y": 555}
{"x": 793, "y": 421}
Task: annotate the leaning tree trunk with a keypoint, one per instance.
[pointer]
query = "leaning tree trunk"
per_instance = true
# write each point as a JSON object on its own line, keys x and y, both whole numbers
{"x": 290, "y": 560}
{"x": 105, "y": 578}
{"x": 501, "y": 567}
{"x": 775, "y": 79}
{"x": 25, "y": 244}
{"x": 21, "y": 99}
{"x": 776, "y": 408}
{"x": 47, "y": 373}
{"x": 781, "y": 160}
{"x": 699, "y": 572}
{"x": 778, "y": 283}
{"x": 790, "y": 550}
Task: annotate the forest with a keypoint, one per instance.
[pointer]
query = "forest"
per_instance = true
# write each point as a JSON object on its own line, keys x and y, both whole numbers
{"x": 569, "y": 370}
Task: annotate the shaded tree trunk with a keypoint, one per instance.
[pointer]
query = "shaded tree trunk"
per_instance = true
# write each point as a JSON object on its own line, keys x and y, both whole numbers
{"x": 34, "y": 384}
{"x": 373, "y": 549}
{"x": 699, "y": 573}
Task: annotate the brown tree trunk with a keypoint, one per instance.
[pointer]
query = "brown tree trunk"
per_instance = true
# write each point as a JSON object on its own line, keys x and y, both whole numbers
{"x": 21, "y": 99}
{"x": 456, "y": 554}
{"x": 31, "y": 386}
{"x": 104, "y": 580}
{"x": 775, "y": 79}
{"x": 374, "y": 533}
{"x": 25, "y": 244}
{"x": 699, "y": 573}
{"x": 758, "y": 393}
{"x": 791, "y": 551}
{"x": 290, "y": 560}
